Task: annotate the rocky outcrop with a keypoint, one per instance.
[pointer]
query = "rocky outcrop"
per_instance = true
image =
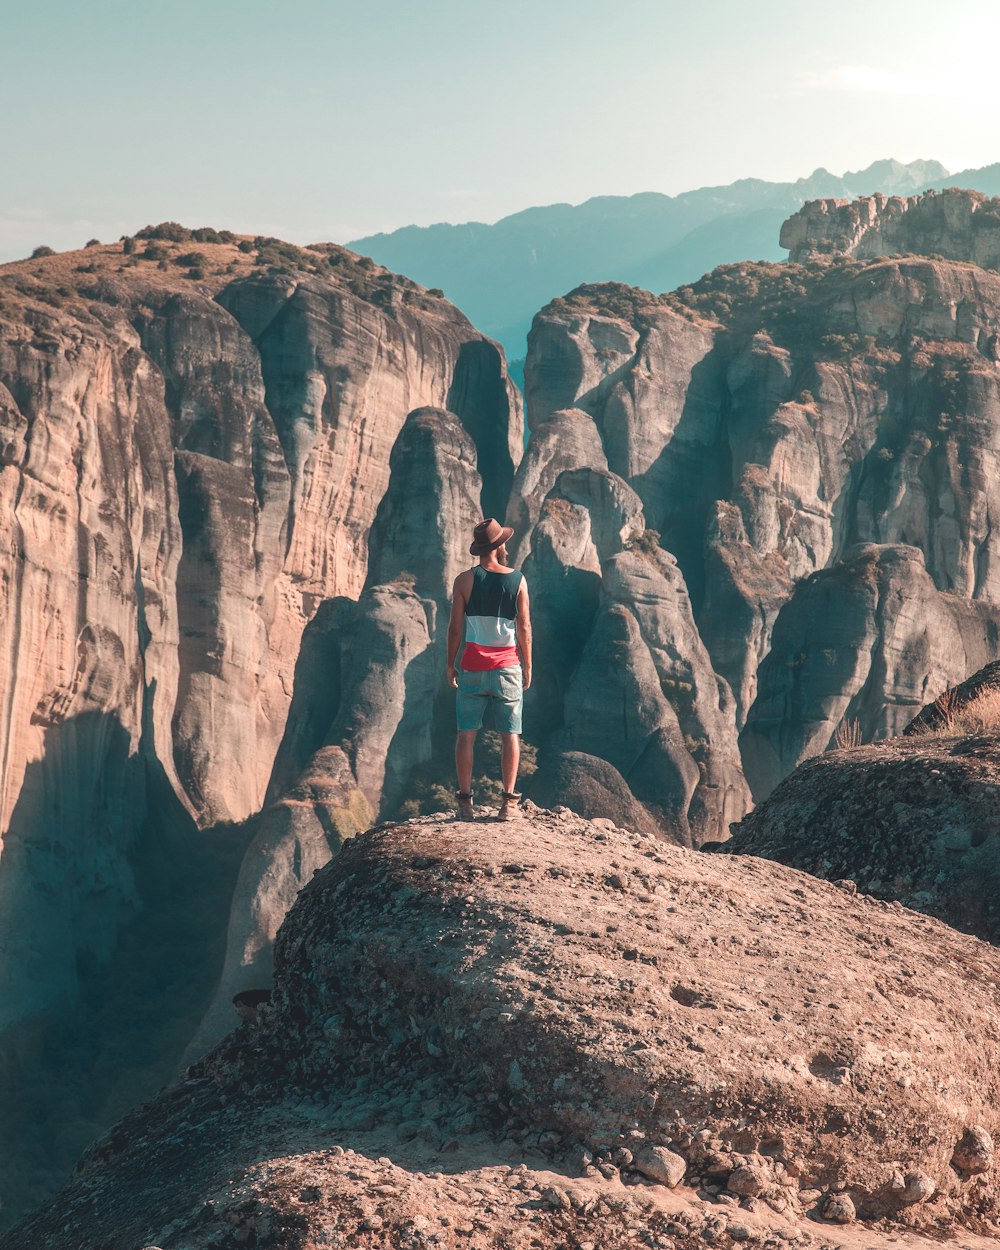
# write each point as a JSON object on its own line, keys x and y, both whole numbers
{"x": 674, "y": 743}
{"x": 577, "y": 1032}
{"x": 191, "y": 460}
{"x": 954, "y": 225}
{"x": 622, "y": 674}
{"x": 911, "y": 820}
{"x": 560, "y": 443}
{"x": 813, "y": 444}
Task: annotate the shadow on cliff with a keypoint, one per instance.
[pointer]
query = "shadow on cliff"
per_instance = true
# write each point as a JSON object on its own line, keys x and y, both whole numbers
{"x": 478, "y": 395}
{"x": 104, "y": 873}
{"x": 694, "y": 469}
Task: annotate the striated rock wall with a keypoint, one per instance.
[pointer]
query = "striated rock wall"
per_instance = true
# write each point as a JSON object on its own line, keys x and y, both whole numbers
{"x": 772, "y": 421}
{"x": 190, "y": 463}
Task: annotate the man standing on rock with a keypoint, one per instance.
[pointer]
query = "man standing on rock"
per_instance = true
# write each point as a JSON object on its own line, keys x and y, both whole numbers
{"x": 489, "y": 612}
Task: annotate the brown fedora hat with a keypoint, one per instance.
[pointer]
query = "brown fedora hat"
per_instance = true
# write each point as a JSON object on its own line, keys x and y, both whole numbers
{"x": 489, "y": 534}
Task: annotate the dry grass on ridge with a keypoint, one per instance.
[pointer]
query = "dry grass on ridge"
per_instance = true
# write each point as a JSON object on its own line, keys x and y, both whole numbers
{"x": 981, "y": 714}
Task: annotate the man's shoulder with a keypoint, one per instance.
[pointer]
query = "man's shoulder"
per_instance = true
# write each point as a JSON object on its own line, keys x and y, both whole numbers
{"x": 463, "y": 581}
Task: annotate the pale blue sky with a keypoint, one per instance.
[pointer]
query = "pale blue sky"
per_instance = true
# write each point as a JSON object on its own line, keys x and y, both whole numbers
{"x": 329, "y": 120}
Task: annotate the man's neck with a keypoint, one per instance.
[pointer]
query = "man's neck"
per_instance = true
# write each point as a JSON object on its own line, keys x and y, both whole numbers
{"x": 492, "y": 566}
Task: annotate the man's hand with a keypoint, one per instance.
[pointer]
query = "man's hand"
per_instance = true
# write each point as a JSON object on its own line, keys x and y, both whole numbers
{"x": 453, "y": 676}
{"x": 525, "y": 678}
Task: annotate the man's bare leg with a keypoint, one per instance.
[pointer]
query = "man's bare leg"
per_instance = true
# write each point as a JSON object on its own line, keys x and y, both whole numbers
{"x": 510, "y": 758}
{"x": 464, "y": 747}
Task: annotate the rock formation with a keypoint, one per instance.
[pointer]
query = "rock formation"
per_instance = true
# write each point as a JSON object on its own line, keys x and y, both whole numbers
{"x": 954, "y": 225}
{"x": 240, "y": 481}
{"x": 193, "y": 447}
{"x": 622, "y": 673}
{"x": 813, "y": 444}
{"x": 571, "y": 1034}
{"x": 863, "y": 643}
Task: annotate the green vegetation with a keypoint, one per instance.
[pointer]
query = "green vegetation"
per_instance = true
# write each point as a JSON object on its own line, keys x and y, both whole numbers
{"x": 607, "y": 299}
{"x": 648, "y": 542}
{"x": 173, "y": 232}
{"x": 42, "y": 251}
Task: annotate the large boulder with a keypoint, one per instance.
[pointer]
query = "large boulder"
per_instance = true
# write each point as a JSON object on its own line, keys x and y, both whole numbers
{"x": 911, "y": 820}
{"x": 590, "y": 786}
{"x": 524, "y": 1022}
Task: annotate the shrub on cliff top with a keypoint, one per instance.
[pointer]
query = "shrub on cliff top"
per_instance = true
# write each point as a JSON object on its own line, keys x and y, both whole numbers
{"x": 205, "y": 234}
{"x": 42, "y": 251}
{"x": 174, "y": 232}
{"x": 169, "y": 231}
{"x": 609, "y": 299}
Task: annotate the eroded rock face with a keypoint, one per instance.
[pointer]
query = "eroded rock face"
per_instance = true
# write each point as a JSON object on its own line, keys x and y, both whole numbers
{"x": 959, "y": 225}
{"x": 774, "y": 421}
{"x": 187, "y": 469}
{"x": 622, "y": 673}
{"x": 559, "y": 443}
{"x": 864, "y": 642}
{"x": 537, "y": 1018}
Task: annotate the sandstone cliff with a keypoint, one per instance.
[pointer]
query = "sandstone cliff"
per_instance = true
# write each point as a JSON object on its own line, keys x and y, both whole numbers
{"x": 814, "y": 445}
{"x": 193, "y": 446}
{"x": 572, "y": 1034}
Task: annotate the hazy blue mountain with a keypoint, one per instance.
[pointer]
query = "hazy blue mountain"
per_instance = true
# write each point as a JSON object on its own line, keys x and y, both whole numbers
{"x": 986, "y": 179}
{"x": 500, "y": 275}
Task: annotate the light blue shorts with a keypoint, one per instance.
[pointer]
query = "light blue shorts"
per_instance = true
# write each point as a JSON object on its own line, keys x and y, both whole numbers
{"x": 498, "y": 687}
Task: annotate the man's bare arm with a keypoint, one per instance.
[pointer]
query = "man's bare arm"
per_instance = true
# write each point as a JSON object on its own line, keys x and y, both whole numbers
{"x": 456, "y": 625}
{"x": 523, "y": 629}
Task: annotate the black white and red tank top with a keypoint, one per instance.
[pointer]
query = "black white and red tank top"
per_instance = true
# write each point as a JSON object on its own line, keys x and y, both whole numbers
{"x": 490, "y": 620}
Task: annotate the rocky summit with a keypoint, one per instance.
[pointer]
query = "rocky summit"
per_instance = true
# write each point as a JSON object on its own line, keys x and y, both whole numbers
{"x": 556, "y": 1032}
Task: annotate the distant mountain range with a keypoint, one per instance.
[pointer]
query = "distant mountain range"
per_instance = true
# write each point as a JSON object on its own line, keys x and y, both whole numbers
{"x": 501, "y": 275}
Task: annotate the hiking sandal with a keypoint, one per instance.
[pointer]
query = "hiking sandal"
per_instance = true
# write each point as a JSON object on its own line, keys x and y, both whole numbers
{"x": 465, "y": 809}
